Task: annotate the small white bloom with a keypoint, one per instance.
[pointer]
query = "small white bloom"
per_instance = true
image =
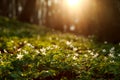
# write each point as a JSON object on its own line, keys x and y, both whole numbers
{"x": 112, "y": 61}
{"x": 119, "y": 44}
{"x": 104, "y": 50}
{"x": 111, "y": 51}
{"x": 46, "y": 71}
{"x": 71, "y": 46}
{"x": 74, "y": 57}
{"x": 37, "y": 51}
{"x": 74, "y": 64}
{"x": 43, "y": 53}
{"x": 11, "y": 54}
{"x": 15, "y": 47}
{"x": 105, "y": 58}
{"x": 89, "y": 51}
{"x": 25, "y": 42}
{"x": 55, "y": 46}
{"x": 96, "y": 55}
{"x": 5, "y": 51}
{"x": 20, "y": 43}
{"x": 119, "y": 55}
{"x": 92, "y": 53}
{"x": 75, "y": 49}
{"x": 113, "y": 48}
{"x": 86, "y": 55}
{"x": 68, "y": 55}
{"x": 111, "y": 55}
{"x": 43, "y": 50}
{"x": 76, "y": 54}
{"x": 19, "y": 56}
{"x": 48, "y": 48}
{"x": 19, "y": 49}
{"x": 12, "y": 41}
{"x": 68, "y": 43}
{"x": 24, "y": 51}
{"x": 105, "y": 42}
{"x": 30, "y": 45}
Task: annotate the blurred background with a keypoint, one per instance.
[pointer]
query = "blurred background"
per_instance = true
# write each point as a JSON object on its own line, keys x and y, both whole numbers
{"x": 82, "y": 17}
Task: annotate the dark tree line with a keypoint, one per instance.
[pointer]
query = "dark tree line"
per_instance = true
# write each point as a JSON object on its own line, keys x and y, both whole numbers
{"x": 101, "y": 18}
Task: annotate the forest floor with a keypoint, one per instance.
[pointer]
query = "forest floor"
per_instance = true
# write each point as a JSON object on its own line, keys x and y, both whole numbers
{"x": 30, "y": 52}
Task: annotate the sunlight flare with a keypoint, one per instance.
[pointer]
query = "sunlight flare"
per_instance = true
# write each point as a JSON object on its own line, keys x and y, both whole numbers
{"x": 73, "y": 3}
{"x": 76, "y": 3}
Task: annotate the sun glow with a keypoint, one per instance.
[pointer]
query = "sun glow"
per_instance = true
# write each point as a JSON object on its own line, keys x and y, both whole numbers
{"x": 76, "y": 4}
{"x": 73, "y": 3}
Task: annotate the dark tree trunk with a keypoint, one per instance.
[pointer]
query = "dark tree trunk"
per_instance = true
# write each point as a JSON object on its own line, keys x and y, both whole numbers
{"x": 47, "y": 14}
{"x": 28, "y": 11}
{"x": 4, "y": 8}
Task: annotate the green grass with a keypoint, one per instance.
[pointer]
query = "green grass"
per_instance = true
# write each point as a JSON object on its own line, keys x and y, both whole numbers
{"x": 30, "y": 52}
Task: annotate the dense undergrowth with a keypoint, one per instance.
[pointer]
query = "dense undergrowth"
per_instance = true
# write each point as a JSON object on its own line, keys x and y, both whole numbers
{"x": 29, "y": 52}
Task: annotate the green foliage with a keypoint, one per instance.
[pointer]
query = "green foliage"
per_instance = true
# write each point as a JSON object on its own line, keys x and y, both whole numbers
{"x": 31, "y": 53}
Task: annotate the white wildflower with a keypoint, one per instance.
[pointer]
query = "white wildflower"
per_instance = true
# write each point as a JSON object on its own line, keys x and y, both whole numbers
{"x": 19, "y": 56}
{"x": 68, "y": 55}
{"x": 75, "y": 49}
{"x": 105, "y": 42}
{"x": 105, "y": 58}
{"x": 20, "y": 43}
{"x": 92, "y": 53}
{"x": 71, "y": 46}
{"x": 89, "y": 51}
{"x": 15, "y": 47}
{"x": 111, "y": 51}
{"x": 119, "y": 55}
{"x": 112, "y": 61}
{"x": 25, "y": 42}
{"x": 86, "y": 55}
{"x": 74, "y": 57}
{"x": 113, "y": 48}
{"x": 104, "y": 50}
{"x": 11, "y": 54}
{"x": 55, "y": 46}
{"x": 5, "y": 51}
{"x": 68, "y": 43}
{"x": 119, "y": 44}
{"x": 48, "y": 48}
{"x": 96, "y": 55}
{"x": 76, "y": 54}
{"x": 111, "y": 55}
{"x": 74, "y": 64}
{"x": 30, "y": 45}
{"x": 24, "y": 51}
{"x": 43, "y": 53}
{"x": 12, "y": 41}
{"x": 19, "y": 49}
{"x": 37, "y": 51}
{"x": 43, "y": 50}
{"x": 46, "y": 71}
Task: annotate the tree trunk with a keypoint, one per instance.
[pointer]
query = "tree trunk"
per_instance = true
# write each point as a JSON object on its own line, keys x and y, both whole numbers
{"x": 28, "y": 11}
